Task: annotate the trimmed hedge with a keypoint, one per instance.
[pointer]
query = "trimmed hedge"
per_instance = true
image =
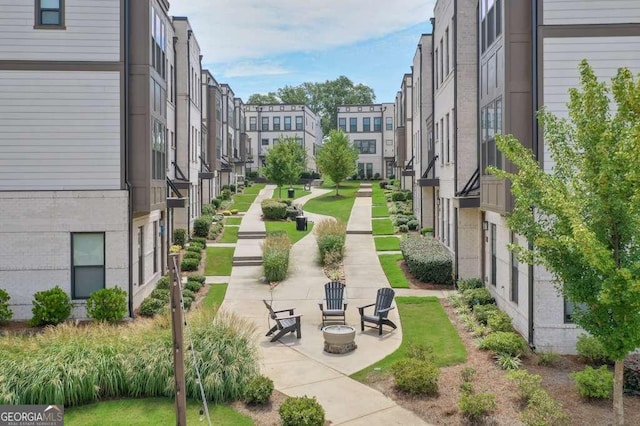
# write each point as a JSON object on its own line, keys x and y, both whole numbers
{"x": 201, "y": 226}
{"x": 274, "y": 210}
{"x": 427, "y": 260}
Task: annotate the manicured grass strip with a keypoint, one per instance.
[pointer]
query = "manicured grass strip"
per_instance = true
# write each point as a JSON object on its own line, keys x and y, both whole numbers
{"x": 149, "y": 411}
{"x": 380, "y": 211}
{"x": 377, "y": 197}
{"x": 337, "y": 206}
{"x": 387, "y": 243}
{"x": 424, "y": 322}
{"x": 214, "y": 297}
{"x": 298, "y": 192}
{"x": 219, "y": 260}
{"x": 395, "y": 276}
{"x": 254, "y": 189}
{"x": 230, "y": 234}
{"x": 242, "y": 202}
{"x": 382, "y": 227}
{"x": 235, "y": 220}
{"x": 289, "y": 228}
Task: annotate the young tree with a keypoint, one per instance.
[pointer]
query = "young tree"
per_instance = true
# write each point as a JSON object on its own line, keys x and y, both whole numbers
{"x": 337, "y": 157}
{"x": 583, "y": 217}
{"x": 284, "y": 162}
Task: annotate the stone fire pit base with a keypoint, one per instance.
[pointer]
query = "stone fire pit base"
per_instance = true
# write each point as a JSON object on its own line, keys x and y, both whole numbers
{"x": 339, "y": 339}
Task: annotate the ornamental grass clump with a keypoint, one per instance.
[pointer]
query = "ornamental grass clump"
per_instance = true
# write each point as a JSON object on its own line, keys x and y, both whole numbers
{"x": 427, "y": 260}
{"x": 275, "y": 257}
{"x": 331, "y": 236}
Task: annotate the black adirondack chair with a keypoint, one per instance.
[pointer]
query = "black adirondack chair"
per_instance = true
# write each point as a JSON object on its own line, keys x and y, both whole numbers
{"x": 381, "y": 310}
{"x": 335, "y": 305}
{"x": 284, "y": 324}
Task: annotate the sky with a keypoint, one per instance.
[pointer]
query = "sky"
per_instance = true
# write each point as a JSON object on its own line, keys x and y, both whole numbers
{"x": 258, "y": 46}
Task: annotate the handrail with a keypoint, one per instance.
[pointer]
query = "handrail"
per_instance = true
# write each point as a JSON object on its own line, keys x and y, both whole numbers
{"x": 471, "y": 185}
{"x": 174, "y": 188}
{"x": 429, "y": 167}
{"x": 178, "y": 171}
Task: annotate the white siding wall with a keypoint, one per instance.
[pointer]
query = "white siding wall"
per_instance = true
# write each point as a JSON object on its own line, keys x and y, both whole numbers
{"x": 563, "y": 12}
{"x": 92, "y": 32}
{"x": 59, "y": 130}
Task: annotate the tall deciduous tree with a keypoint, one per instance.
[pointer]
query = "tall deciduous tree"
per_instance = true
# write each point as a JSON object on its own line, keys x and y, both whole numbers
{"x": 262, "y": 99}
{"x": 583, "y": 217}
{"x": 284, "y": 163}
{"x": 337, "y": 157}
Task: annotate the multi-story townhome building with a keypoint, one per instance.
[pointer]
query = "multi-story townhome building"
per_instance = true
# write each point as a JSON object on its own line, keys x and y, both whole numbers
{"x": 404, "y": 133}
{"x": 212, "y": 137}
{"x": 529, "y": 54}
{"x": 228, "y": 135}
{"x": 457, "y": 217}
{"x": 187, "y": 163}
{"x": 265, "y": 124}
{"x": 366, "y": 126}
{"x": 83, "y": 148}
{"x": 241, "y": 138}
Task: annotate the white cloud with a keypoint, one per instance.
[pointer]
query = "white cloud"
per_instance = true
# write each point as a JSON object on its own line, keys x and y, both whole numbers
{"x": 253, "y": 68}
{"x": 233, "y": 30}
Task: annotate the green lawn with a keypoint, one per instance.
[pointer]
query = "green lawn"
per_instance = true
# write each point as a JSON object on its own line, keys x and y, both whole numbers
{"x": 149, "y": 411}
{"x": 230, "y": 234}
{"x": 337, "y": 206}
{"x": 289, "y": 228}
{"x": 214, "y": 297}
{"x": 377, "y": 197}
{"x": 395, "y": 276}
{"x": 254, "y": 189}
{"x": 424, "y": 322}
{"x": 382, "y": 227}
{"x": 219, "y": 260}
{"x": 232, "y": 220}
{"x": 379, "y": 211}
{"x": 298, "y": 192}
{"x": 242, "y": 202}
{"x": 387, "y": 243}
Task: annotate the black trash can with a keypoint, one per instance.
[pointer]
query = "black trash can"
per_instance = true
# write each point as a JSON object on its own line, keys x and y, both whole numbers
{"x": 291, "y": 192}
{"x": 301, "y": 223}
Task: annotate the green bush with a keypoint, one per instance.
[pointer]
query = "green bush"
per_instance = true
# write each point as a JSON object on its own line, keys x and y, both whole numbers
{"x": 180, "y": 237}
{"x": 427, "y": 259}
{"x": 275, "y": 257}
{"x": 164, "y": 282}
{"x": 194, "y": 286}
{"x": 591, "y": 350}
{"x": 505, "y": 342}
{"x": 225, "y": 195}
{"x": 403, "y": 228}
{"x": 527, "y": 383}
{"x": 161, "y": 294}
{"x": 192, "y": 255}
{"x": 499, "y": 321}
{"x": 5, "y": 311}
{"x": 208, "y": 210}
{"x": 476, "y": 406}
{"x": 151, "y": 307}
{"x": 199, "y": 240}
{"x": 258, "y": 390}
{"x": 195, "y": 248}
{"x": 542, "y": 410}
{"x": 413, "y": 225}
{"x": 594, "y": 383}
{"x": 226, "y": 213}
{"x": 415, "y": 376}
{"x": 400, "y": 220}
{"x": 199, "y": 278}
{"x": 408, "y": 195}
{"x": 469, "y": 283}
{"x": 301, "y": 411}
{"x": 398, "y": 196}
{"x": 215, "y": 230}
{"x": 477, "y": 296}
{"x": 189, "y": 264}
{"x": 481, "y": 312}
{"x": 108, "y": 304}
{"x": 187, "y": 302}
{"x": 188, "y": 294}
{"x": 273, "y": 210}
{"x": 547, "y": 358}
{"x": 632, "y": 374}
{"x": 508, "y": 362}
{"x": 50, "y": 307}
{"x": 234, "y": 211}
{"x": 427, "y": 231}
{"x": 216, "y": 202}
{"x": 201, "y": 226}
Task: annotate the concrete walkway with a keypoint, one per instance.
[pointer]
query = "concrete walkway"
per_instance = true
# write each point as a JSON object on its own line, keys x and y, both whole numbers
{"x": 300, "y": 366}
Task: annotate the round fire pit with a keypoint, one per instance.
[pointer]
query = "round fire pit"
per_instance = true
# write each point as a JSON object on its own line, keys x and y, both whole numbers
{"x": 339, "y": 339}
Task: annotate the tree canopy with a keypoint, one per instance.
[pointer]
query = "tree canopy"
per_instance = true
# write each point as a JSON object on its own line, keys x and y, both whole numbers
{"x": 583, "y": 217}
{"x": 322, "y": 98}
{"x": 284, "y": 162}
{"x": 337, "y": 157}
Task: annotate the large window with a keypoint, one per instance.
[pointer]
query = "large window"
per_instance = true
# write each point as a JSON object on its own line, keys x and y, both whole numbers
{"x": 353, "y": 124}
{"x": 287, "y": 122}
{"x": 265, "y": 124}
{"x": 276, "y": 123}
{"x": 365, "y": 146}
{"x": 299, "y": 123}
{"x": 377, "y": 124}
{"x": 342, "y": 124}
{"x": 50, "y": 14}
{"x": 366, "y": 124}
{"x": 158, "y": 151}
{"x": 158, "y": 44}
{"x": 490, "y": 126}
{"x": 389, "y": 123}
{"x": 87, "y": 263}
{"x": 253, "y": 124}
{"x": 447, "y": 137}
{"x": 490, "y": 22}
{"x": 446, "y": 51}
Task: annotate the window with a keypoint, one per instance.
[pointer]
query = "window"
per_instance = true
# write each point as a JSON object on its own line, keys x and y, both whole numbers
{"x": 276, "y": 123}
{"x": 441, "y": 141}
{"x": 299, "y": 123}
{"x": 265, "y": 124}
{"x": 158, "y": 151}
{"x": 491, "y": 124}
{"x": 440, "y": 70}
{"x": 494, "y": 255}
{"x": 498, "y": 17}
{"x": 369, "y": 168}
{"x": 265, "y": 142}
{"x": 155, "y": 247}
{"x": 253, "y": 124}
{"x": 377, "y": 124}
{"x": 436, "y": 69}
{"x": 287, "y": 123}
{"x": 87, "y": 263}
{"x": 365, "y": 146}
{"x": 50, "y": 14}
{"x": 158, "y": 44}
{"x": 514, "y": 272}
{"x": 446, "y": 51}
{"x": 342, "y": 124}
{"x": 389, "y": 123}
{"x": 353, "y": 124}
{"x": 448, "y": 222}
{"x": 366, "y": 124}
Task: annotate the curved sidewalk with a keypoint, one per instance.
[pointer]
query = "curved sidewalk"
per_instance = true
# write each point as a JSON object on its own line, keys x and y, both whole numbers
{"x": 300, "y": 366}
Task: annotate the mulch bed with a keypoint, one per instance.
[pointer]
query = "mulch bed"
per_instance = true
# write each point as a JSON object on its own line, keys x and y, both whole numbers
{"x": 416, "y": 284}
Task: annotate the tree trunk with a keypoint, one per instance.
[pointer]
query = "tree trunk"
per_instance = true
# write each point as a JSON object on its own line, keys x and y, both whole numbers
{"x": 618, "y": 402}
{"x": 337, "y": 186}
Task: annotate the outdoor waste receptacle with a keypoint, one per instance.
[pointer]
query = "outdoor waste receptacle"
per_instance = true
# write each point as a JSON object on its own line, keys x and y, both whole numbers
{"x": 291, "y": 192}
{"x": 301, "y": 223}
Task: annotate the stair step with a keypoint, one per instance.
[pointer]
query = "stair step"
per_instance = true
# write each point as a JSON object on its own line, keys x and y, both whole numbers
{"x": 246, "y": 235}
{"x": 247, "y": 258}
{"x": 364, "y": 193}
{"x": 359, "y": 232}
{"x": 247, "y": 263}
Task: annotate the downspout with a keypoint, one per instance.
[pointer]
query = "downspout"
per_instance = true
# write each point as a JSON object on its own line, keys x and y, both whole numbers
{"x": 174, "y": 88}
{"x": 433, "y": 112}
{"x": 421, "y": 133}
{"x": 479, "y": 142}
{"x": 200, "y": 155}
{"x": 534, "y": 145}
{"x": 127, "y": 153}
{"x": 454, "y": 49}
{"x": 189, "y": 32}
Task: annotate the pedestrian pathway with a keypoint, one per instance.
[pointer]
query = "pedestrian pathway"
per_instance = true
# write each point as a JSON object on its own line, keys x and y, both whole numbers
{"x": 300, "y": 366}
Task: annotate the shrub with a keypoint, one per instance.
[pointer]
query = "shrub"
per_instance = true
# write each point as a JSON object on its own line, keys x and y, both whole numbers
{"x": 175, "y": 249}
{"x": 50, "y": 307}
{"x": 216, "y": 203}
{"x": 467, "y": 374}
{"x": 215, "y": 230}
{"x": 527, "y": 383}
{"x": 151, "y": 307}
{"x": 467, "y": 284}
{"x": 398, "y": 196}
{"x": 291, "y": 212}
{"x": 194, "y": 286}
{"x": 481, "y": 312}
{"x": 161, "y": 294}
{"x": 208, "y": 210}
{"x": 199, "y": 240}
{"x": 475, "y": 406}
{"x": 415, "y": 376}
{"x": 180, "y": 237}
{"x": 408, "y": 195}
{"x": 199, "y": 278}
{"x": 5, "y": 311}
{"x": 189, "y": 264}
{"x": 164, "y": 282}
{"x": 413, "y": 225}
{"x": 591, "y": 350}
{"x": 542, "y": 410}
{"x": 632, "y": 374}
{"x": 499, "y": 321}
{"x": 188, "y": 293}
{"x": 427, "y": 231}
{"x": 504, "y": 342}
{"x": 195, "y": 248}
{"x": 108, "y": 304}
{"x": 508, "y": 362}
{"x": 187, "y": 302}
{"x": 400, "y": 220}
{"x": 594, "y": 383}
{"x": 273, "y": 210}
{"x": 403, "y": 228}
{"x": 234, "y": 211}
{"x": 427, "y": 260}
{"x": 477, "y": 296}
{"x": 547, "y": 358}
{"x": 201, "y": 226}
{"x": 225, "y": 194}
{"x": 258, "y": 390}
{"x": 331, "y": 236}
{"x": 275, "y": 257}
{"x": 301, "y": 411}
{"x": 192, "y": 255}
{"x": 383, "y": 184}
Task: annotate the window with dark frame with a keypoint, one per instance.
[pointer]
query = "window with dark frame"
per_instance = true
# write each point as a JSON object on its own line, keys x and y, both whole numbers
{"x": 276, "y": 123}
{"x": 265, "y": 124}
{"x": 377, "y": 124}
{"x": 87, "y": 263}
{"x": 50, "y": 14}
{"x": 365, "y": 146}
{"x": 353, "y": 124}
{"x": 569, "y": 310}
{"x": 253, "y": 124}
{"x": 366, "y": 124}
{"x": 299, "y": 123}
{"x": 287, "y": 122}
{"x": 389, "y": 123}
{"x": 446, "y": 51}
{"x": 342, "y": 124}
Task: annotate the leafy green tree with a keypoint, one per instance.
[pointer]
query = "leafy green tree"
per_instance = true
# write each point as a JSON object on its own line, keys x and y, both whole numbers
{"x": 583, "y": 217}
{"x": 262, "y": 99}
{"x": 284, "y": 162}
{"x": 337, "y": 157}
